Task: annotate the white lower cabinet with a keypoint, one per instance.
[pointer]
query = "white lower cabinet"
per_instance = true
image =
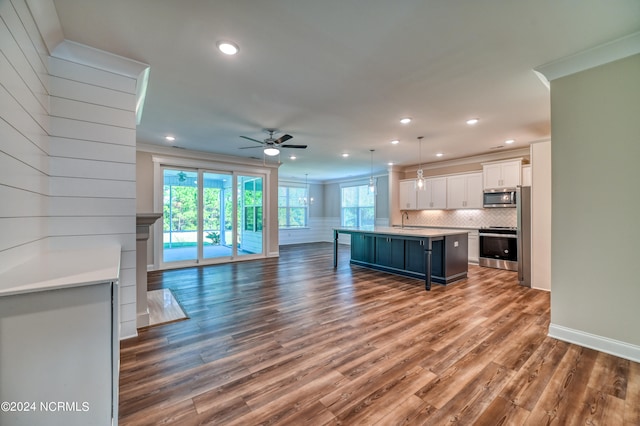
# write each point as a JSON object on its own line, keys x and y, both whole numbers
{"x": 474, "y": 247}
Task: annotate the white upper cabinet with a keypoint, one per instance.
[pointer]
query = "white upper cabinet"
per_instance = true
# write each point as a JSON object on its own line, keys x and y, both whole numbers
{"x": 502, "y": 174}
{"x": 407, "y": 194}
{"x": 434, "y": 194}
{"x": 464, "y": 191}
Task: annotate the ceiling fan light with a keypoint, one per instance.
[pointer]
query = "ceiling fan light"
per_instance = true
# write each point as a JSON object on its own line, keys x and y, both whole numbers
{"x": 271, "y": 151}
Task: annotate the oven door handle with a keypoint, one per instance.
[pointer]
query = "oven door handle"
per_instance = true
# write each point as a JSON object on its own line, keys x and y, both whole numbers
{"x": 499, "y": 235}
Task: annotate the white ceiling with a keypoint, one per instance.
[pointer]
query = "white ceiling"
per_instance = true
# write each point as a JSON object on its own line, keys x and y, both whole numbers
{"x": 339, "y": 74}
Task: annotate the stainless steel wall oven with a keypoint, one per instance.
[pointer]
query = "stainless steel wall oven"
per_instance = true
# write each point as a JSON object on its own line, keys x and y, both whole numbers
{"x": 499, "y": 248}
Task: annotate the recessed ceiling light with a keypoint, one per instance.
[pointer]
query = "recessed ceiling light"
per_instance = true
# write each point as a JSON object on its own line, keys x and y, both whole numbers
{"x": 293, "y": 157}
{"x": 472, "y": 121}
{"x": 345, "y": 155}
{"x": 170, "y": 138}
{"x": 509, "y": 141}
{"x": 405, "y": 120}
{"x": 395, "y": 141}
{"x": 227, "y": 47}
{"x": 439, "y": 154}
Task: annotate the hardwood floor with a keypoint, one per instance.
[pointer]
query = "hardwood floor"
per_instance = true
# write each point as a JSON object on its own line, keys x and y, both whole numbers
{"x": 294, "y": 341}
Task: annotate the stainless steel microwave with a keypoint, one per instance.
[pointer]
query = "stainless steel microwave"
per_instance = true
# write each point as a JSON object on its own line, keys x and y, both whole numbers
{"x": 499, "y": 198}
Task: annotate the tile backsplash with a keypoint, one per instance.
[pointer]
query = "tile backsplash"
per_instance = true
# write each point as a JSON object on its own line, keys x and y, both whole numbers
{"x": 475, "y": 218}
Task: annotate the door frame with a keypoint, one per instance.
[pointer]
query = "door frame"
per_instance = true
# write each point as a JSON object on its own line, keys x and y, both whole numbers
{"x": 234, "y": 169}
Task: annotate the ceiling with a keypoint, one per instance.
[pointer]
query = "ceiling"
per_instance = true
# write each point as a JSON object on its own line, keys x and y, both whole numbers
{"x": 338, "y": 75}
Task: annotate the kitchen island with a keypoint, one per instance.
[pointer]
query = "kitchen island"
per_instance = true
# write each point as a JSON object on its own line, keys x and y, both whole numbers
{"x": 434, "y": 255}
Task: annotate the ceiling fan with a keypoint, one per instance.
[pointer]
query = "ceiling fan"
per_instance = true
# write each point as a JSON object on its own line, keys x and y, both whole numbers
{"x": 271, "y": 145}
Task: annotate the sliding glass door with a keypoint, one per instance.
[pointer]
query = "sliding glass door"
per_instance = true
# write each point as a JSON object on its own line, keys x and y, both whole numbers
{"x": 217, "y": 226}
{"x": 180, "y": 215}
{"x": 249, "y": 215}
{"x": 206, "y": 220}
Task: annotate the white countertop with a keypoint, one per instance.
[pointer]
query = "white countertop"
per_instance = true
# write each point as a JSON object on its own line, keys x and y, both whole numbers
{"x": 408, "y": 231}
{"x": 62, "y": 269}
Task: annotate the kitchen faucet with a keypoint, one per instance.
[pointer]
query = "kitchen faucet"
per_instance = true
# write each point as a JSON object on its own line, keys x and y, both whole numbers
{"x": 403, "y": 216}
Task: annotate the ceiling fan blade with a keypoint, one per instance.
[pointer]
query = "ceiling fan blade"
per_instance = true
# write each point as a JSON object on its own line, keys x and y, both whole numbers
{"x": 282, "y": 139}
{"x": 251, "y": 139}
{"x": 294, "y": 146}
{"x": 249, "y": 147}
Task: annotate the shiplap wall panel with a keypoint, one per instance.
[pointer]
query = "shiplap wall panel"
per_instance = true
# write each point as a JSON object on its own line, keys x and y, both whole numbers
{"x": 84, "y": 130}
{"x": 16, "y": 145}
{"x": 90, "y": 188}
{"x": 34, "y": 36}
{"x": 24, "y": 186}
{"x": 16, "y": 174}
{"x": 18, "y": 202}
{"x": 16, "y": 116}
{"x": 22, "y": 230}
{"x": 68, "y": 206}
{"x": 21, "y": 52}
{"x": 13, "y": 82}
{"x": 68, "y": 108}
{"x": 79, "y": 242}
{"x": 75, "y": 90}
{"x": 92, "y": 169}
{"x": 93, "y": 225}
{"x": 89, "y": 150}
{"x": 93, "y": 76}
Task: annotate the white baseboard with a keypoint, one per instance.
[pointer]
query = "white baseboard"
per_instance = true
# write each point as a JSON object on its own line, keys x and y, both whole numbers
{"x": 142, "y": 319}
{"x": 599, "y": 343}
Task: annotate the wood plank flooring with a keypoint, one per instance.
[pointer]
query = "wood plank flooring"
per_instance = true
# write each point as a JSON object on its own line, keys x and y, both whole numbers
{"x": 294, "y": 341}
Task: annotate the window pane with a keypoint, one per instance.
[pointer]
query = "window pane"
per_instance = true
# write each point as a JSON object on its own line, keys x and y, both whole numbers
{"x": 297, "y": 196}
{"x": 292, "y": 203}
{"x": 297, "y": 217}
{"x": 350, "y": 216}
{"x": 350, "y": 196}
{"x": 366, "y": 216}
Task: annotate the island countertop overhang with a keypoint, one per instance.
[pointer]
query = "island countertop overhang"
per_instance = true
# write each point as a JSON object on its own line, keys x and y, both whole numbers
{"x": 405, "y": 232}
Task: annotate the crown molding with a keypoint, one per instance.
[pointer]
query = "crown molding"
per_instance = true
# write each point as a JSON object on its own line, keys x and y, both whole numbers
{"x": 600, "y": 55}
{"x": 476, "y": 159}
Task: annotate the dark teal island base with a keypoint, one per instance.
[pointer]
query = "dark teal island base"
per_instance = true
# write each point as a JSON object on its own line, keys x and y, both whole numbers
{"x": 432, "y": 255}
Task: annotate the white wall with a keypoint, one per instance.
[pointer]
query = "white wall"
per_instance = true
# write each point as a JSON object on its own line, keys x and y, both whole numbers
{"x": 67, "y": 145}
{"x": 24, "y": 140}
{"x": 541, "y": 215}
{"x": 93, "y": 168}
{"x": 595, "y": 153}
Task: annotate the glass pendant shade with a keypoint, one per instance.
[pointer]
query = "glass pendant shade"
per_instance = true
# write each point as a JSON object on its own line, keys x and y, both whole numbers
{"x": 271, "y": 151}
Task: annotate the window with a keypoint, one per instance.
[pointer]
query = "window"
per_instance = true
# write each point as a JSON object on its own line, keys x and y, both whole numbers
{"x": 358, "y": 206}
{"x": 292, "y": 206}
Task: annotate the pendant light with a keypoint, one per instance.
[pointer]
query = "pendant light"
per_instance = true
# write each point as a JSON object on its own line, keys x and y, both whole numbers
{"x": 372, "y": 184}
{"x": 420, "y": 182}
{"x": 307, "y": 200}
